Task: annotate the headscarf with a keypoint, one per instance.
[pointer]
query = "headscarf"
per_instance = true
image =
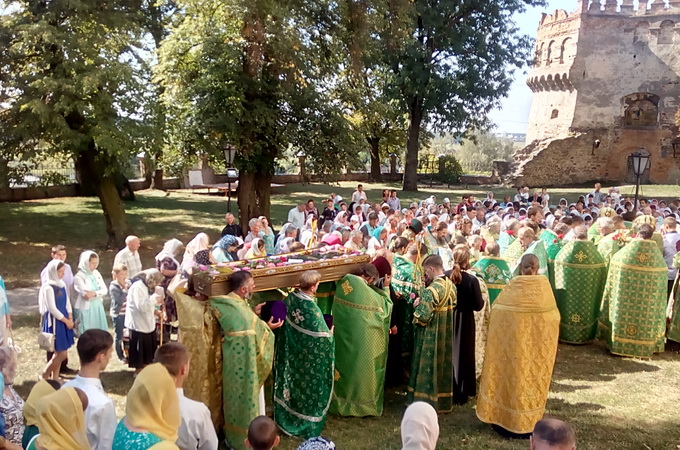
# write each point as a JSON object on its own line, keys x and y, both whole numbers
{"x": 41, "y": 389}
{"x": 341, "y": 218}
{"x": 255, "y": 248}
{"x": 52, "y": 280}
{"x": 228, "y": 241}
{"x": 202, "y": 257}
{"x": 170, "y": 249}
{"x": 317, "y": 443}
{"x": 61, "y": 421}
{"x": 198, "y": 243}
{"x": 377, "y": 231}
{"x": 419, "y": 427}
{"x": 152, "y": 403}
{"x": 84, "y": 262}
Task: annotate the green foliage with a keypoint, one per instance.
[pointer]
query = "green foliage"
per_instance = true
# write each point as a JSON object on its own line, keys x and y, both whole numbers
{"x": 253, "y": 75}
{"x": 68, "y": 79}
{"x": 480, "y": 151}
{"x": 53, "y": 178}
{"x": 450, "y": 170}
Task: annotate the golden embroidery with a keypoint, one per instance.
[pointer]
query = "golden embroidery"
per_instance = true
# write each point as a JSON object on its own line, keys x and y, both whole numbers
{"x": 643, "y": 258}
{"x": 581, "y": 256}
{"x": 347, "y": 287}
{"x": 631, "y": 330}
{"x": 575, "y": 318}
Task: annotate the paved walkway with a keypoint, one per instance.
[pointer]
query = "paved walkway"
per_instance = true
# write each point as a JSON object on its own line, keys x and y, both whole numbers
{"x": 23, "y": 300}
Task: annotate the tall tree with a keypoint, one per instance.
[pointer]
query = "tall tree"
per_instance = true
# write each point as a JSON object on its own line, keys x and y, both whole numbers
{"x": 452, "y": 63}
{"x": 252, "y": 74}
{"x": 69, "y": 87}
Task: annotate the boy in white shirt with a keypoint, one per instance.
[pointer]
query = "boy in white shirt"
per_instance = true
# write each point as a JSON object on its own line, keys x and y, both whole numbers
{"x": 197, "y": 430}
{"x": 95, "y": 348}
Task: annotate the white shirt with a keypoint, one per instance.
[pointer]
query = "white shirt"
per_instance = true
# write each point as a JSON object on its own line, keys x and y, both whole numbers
{"x": 671, "y": 242}
{"x": 131, "y": 261}
{"x": 100, "y": 415}
{"x": 139, "y": 315}
{"x": 197, "y": 430}
{"x": 356, "y": 196}
{"x": 297, "y": 218}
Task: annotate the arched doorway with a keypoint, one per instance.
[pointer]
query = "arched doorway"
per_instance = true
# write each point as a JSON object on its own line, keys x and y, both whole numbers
{"x": 630, "y": 173}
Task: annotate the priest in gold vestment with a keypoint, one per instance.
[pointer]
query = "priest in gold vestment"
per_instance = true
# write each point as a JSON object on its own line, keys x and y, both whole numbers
{"x": 520, "y": 352}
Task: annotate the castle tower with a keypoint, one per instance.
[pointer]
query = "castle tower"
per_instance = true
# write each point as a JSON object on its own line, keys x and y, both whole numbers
{"x": 608, "y": 73}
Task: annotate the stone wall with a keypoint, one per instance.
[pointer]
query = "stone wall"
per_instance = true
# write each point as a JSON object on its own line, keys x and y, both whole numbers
{"x": 616, "y": 81}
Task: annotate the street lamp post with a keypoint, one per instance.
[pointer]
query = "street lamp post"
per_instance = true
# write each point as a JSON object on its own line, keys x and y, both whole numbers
{"x": 640, "y": 161}
{"x": 229, "y": 153}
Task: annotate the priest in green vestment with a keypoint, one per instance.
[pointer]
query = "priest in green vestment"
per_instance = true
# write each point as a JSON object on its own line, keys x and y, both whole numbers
{"x": 580, "y": 276}
{"x": 431, "y": 378}
{"x": 324, "y": 296}
{"x": 304, "y": 364}
{"x": 494, "y": 271}
{"x": 247, "y": 356}
{"x": 532, "y": 246}
{"x": 361, "y": 317}
{"x": 633, "y": 316}
{"x": 405, "y": 274}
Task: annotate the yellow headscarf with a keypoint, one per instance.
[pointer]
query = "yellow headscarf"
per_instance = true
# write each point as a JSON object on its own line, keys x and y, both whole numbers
{"x": 41, "y": 389}
{"x": 61, "y": 421}
{"x": 152, "y": 403}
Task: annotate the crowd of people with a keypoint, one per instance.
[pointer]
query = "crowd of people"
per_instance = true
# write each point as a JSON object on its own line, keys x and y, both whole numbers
{"x": 460, "y": 300}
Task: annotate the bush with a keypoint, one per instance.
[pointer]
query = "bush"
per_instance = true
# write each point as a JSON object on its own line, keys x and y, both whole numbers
{"x": 451, "y": 170}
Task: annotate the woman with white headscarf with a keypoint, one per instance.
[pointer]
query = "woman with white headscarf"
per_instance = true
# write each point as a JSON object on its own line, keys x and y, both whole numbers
{"x": 91, "y": 289}
{"x": 341, "y": 219}
{"x": 198, "y": 243}
{"x": 256, "y": 249}
{"x": 57, "y": 316}
{"x": 419, "y": 427}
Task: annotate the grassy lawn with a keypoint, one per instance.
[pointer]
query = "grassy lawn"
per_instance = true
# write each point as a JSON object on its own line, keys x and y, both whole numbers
{"x": 613, "y": 402}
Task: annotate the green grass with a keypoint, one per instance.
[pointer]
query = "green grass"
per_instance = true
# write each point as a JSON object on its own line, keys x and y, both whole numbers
{"x": 613, "y": 402}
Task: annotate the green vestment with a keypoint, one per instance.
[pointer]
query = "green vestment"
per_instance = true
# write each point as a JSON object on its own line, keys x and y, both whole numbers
{"x": 537, "y": 248}
{"x": 553, "y": 244}
{"x": 633, "y": 317}
{"x": 403, "y": 276}
{"x": 580, "y": 276}
{"x": 673, "y": 309}
{"x": 495, "y": 272}
{"x": 247, "y": 357}
{"x": 513, "y": 253}
{"x": 324, "y": 296}
{"x": 593, "y": 234}
{"x": 304, "y": 369}
{"x": 361, "y": 316}
{"x": 609, "y": 245}
{"x": 504, "y": 241}
{"x": 431, "y": 378}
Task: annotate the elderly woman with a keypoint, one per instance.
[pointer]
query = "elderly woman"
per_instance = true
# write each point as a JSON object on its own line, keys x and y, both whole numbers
{"x": 356, "y": 241}
{"x": 12, "y": 404}
{"x": 91, "y": 289}
{"x": 198, "y": 243}
{"x": 377, "y": 241}
{"x": 168, "y": 266}
{"x": 145, "y": 298}
{"x": 225, "y": 249}
{"x": 57, "y": 317}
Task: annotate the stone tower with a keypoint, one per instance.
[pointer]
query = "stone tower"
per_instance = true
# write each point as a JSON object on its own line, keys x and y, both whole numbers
{"x": 605, "y": 83}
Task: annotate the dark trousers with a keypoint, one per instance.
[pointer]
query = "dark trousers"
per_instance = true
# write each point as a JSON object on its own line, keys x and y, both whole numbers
{"x": 118, "y": 326}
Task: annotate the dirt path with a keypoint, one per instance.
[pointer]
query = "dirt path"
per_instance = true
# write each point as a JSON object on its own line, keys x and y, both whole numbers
{"x": 23, "y": 300}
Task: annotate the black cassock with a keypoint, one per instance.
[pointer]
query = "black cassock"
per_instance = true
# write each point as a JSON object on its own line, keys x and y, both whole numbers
{"x": 469, "y": 300}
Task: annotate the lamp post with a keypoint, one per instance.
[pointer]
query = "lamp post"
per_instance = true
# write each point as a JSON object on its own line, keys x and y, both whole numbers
{"x": 640, "y": 161}
{"x": 229, "y": 153}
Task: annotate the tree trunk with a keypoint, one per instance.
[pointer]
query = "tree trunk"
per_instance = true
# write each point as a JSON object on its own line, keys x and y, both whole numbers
{"x": 415, "y": 117}
{"x": 87, "y": 183}
{"x": 376, "y": 174}
{"x": 254, "y": 191}
{"x": 157, "y": 179}
{"x": 117, "y": 226}
{"x": 4, "y": 173}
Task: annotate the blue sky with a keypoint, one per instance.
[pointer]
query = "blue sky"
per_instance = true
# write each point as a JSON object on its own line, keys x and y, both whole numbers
{"x": 513, "y": 115}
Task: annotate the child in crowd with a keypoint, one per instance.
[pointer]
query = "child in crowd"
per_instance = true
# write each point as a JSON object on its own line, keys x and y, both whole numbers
{"x": 118, "y": 290}
{"x": 262, "y": 434}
